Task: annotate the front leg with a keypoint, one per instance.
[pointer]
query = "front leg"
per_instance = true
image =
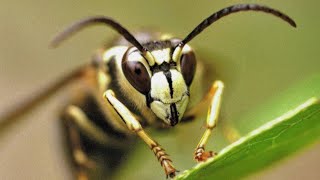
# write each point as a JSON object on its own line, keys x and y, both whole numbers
{"x": 212, "y": 117}
{"x": 134, "y": 125}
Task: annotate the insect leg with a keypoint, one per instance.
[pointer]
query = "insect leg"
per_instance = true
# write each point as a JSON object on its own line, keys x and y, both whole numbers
{"x": 134, "y": 125}
{"x": 199, "y": 109}
{"x": 211, "y": 122}
{"x": 73, "y": 116}
{"x": 228, "y": 130}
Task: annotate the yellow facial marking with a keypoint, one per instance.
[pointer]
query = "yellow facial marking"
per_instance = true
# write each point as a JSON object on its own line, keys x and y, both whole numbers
{"x": 150, "y": 58}
{"x": 177, "y": 54}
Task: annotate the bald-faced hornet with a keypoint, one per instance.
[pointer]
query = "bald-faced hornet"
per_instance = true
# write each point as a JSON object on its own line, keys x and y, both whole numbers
{"x": 149, "y": 79}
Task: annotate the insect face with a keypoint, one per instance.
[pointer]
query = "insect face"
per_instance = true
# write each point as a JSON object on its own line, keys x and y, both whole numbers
{"x": 164, "y": 82}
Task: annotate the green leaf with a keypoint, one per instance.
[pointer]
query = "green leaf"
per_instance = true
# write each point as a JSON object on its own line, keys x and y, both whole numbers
{"x": 265, "y": 145}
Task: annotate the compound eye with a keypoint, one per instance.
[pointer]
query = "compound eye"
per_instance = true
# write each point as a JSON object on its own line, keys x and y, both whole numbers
{"x": 137, "y": 75}
{"x": 188, "y": 66}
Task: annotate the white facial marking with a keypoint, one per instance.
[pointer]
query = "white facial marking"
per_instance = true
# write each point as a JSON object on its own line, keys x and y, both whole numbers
{"x": 182, "y": 106}
{"x": 163, "y": 99}
{"x": 161, "y": 110}
{"x": 159, "y": 86}
{"x": 116, "y": 51}
{"x": 162, "y": 55}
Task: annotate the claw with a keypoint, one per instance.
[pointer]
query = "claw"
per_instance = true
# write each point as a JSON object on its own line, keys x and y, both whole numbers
{"x": 201, "y": 155}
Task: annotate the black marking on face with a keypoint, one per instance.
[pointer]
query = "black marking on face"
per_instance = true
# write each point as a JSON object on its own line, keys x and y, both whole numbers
{"x": 169, "y": 79}
{"x": 163, "y": 67}
{"x": 149, "y": 99}
{"x": 174, "y": 118}
{"x": 156, "y": 45}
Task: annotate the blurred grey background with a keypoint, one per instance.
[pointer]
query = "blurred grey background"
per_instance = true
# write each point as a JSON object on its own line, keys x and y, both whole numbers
{"x": 268, "y": 68}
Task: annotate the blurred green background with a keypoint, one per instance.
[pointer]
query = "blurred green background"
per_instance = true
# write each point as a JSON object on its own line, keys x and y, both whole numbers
{"x": 268, "y": 68}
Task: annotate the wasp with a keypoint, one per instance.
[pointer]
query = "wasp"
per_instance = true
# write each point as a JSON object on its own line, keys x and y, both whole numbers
{"x": 141, "y": 80}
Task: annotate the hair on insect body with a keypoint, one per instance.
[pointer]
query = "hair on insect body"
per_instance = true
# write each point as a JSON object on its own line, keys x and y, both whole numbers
{"x": 150, "y": 80}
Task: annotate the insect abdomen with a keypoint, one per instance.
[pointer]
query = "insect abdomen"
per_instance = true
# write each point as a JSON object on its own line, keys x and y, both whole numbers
{"x": 106, "y": 156}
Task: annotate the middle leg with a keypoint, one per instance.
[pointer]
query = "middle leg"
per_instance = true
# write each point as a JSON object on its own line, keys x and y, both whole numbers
{"x": 212, "y": 118}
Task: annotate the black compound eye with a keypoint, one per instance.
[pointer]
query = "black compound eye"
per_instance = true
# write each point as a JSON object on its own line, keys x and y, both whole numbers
{"x": 188, "y": 66}
{"x": 137, "y": 75}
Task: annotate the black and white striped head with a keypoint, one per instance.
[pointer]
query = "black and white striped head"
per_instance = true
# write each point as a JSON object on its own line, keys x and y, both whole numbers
{"x": 163, "y": 70}
{"x": 164, "y": 82}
